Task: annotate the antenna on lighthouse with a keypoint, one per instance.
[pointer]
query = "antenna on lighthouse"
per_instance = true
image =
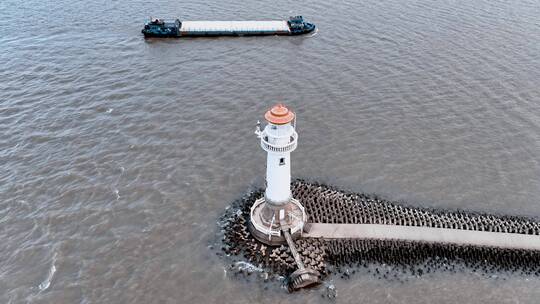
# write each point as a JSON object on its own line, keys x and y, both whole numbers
{"x": 277, "y": 212}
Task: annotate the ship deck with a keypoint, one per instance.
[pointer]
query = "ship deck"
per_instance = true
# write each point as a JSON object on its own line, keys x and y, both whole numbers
{"x": 224, "y": 27}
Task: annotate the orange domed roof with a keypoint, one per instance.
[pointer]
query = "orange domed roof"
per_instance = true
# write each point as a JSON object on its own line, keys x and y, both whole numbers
{"x": 279, "y": 115}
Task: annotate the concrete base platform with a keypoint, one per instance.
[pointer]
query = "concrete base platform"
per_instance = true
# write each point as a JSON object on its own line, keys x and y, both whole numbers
{"x": 267, "y": 221}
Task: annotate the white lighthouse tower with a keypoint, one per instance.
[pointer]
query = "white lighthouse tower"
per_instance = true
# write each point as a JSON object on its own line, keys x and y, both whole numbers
{"x": 277, "y": 210}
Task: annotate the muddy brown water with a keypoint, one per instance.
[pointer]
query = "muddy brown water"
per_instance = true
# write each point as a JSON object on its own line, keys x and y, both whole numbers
{"x": 118, "y": 154}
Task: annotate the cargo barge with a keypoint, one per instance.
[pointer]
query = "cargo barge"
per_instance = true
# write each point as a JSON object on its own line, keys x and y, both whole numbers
{"x": 176, "y": 28}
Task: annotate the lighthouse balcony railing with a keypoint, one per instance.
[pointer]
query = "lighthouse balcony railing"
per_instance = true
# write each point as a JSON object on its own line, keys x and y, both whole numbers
{"x": 289, "y": 147}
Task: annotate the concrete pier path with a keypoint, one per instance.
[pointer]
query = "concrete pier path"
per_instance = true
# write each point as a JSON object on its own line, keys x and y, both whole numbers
{"x": 424, "y": 234}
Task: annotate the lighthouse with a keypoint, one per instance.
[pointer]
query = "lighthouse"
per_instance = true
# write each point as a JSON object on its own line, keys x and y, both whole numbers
{"x": 277, "y": 212}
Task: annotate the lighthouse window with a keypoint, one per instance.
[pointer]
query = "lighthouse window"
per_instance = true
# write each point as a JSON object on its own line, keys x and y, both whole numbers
{"x": 282, "y": 161}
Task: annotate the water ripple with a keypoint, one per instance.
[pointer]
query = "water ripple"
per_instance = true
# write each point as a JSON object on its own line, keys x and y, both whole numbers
{"x": 120, "y": 152}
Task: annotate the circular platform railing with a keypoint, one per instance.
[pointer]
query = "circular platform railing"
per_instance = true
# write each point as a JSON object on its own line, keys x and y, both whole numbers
{"x": 291, "y": 146}
{"x": 266, "y": 230}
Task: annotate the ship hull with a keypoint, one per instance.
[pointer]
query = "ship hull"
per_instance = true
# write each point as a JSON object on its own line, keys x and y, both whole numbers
{"x": 227, "y": 28}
